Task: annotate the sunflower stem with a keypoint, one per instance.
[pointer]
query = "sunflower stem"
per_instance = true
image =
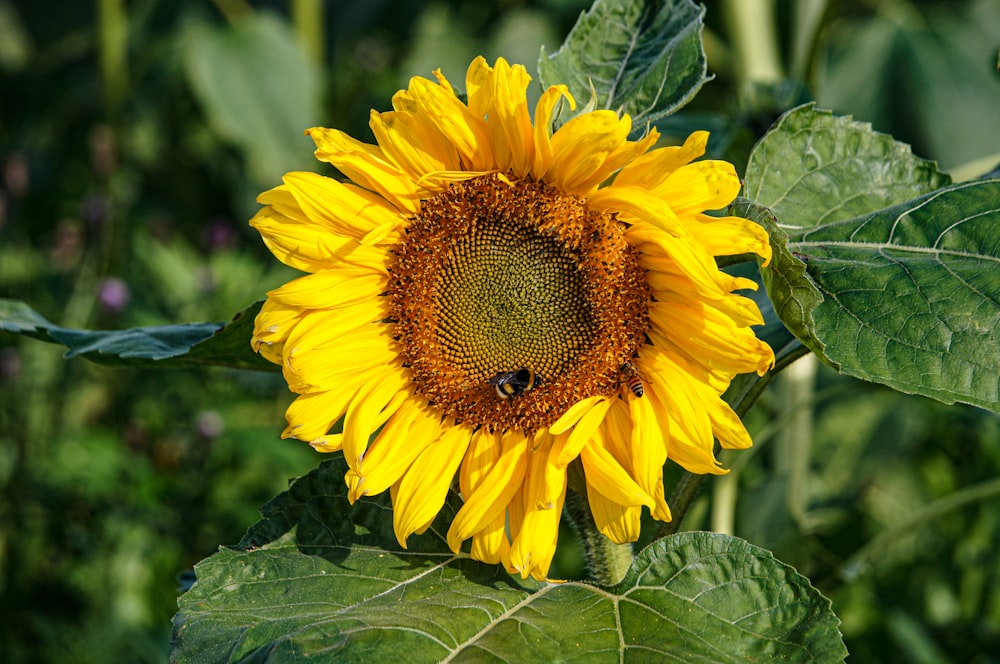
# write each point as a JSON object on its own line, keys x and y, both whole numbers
{"x": 741, "y": 397}
{"x": 607, "y": 562}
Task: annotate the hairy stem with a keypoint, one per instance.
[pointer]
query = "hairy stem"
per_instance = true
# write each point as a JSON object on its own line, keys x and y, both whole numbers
{"x": 607, "y": 562}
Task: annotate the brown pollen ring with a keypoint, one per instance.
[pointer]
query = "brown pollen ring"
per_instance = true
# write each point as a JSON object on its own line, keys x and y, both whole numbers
{"x": 497, "y": 274}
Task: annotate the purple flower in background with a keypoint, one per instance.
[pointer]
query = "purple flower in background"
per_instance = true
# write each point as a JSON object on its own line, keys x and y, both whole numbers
{"x": 113, "y": 294}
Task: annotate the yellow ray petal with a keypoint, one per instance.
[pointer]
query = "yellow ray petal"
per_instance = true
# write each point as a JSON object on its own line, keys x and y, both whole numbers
{"x": 345, "y": 208}
{"x": 412, "y": 144}
{"x": 498, "y": 94}
{"x": 310, "y": 416}
{"x": 484, "y": 505}
{"x": 730, "y": 236}
{"x": 573, "y": 414}
{"x": 635, "y": 204}
{"x": 652, "y": 168}
{"x": 608, "y": 477}
{"x": 649, "y": 452}
{"x": 368, "y": 166}
{"x": 581, "y": 146}
{"x": 330, "y": 288}
{"x": 424, "y": 487}
{"x": 542, "y": 161}
{"x": 329, "y": 443}
{"x": 409, "y": 431}
{"x": 490, "y": 545}
{"x": 323, "y": 328}
{"x": 568, "y": 448}
{"x": 542, "y": 498}
{"x": 453, "y": 122}
{"x": 273, "y": 324}
{"x": 365, "y": 413}
{"x": 618, "y": 523}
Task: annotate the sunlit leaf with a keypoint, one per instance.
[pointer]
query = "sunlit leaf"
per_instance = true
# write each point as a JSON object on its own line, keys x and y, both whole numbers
{"x": 162, "y": 346}
{"x": 320, "y": 579}
{"x": 644, "y": 59}
{"x": 815, "y": 168}
{"x": 907, "y": 266}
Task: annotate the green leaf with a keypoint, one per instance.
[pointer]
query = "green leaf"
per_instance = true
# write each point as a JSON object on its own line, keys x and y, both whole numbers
{"x": 792, "y": 295}
{"x": 637, "y": 58}
{"x": 162, "y": 346}
{"x": 912, "y": 293}
{"x": 258, "y": 88}
{"x": 814, "y": 168}
{"x": 322, "y": 579}
{"x": 906, "y": 265}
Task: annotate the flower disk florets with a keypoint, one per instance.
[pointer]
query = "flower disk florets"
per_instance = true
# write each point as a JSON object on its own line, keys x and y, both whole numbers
{"x": 497, "y": 274}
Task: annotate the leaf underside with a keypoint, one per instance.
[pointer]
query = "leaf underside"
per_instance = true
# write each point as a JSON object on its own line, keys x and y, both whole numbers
{"x": 162, "y": 346}
{"x": 633, "y": 60}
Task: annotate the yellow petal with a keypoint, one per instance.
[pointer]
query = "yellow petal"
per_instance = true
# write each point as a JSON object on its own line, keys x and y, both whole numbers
{"x": 542, "y": 498}
{"x": 368, "y": 166}
{"x": 608, "y": 477}
{"x": 305, "y": 247}
{"x": 273, "y": 324}
{"x": 649, "y": 452}
{"x": 409, "y": 431}
{"x": 618, "y": 523}
{"x": 573, "y": 414}
{"x": 569, "y": 448}
{"x": 542, "y": 161}
{"x": 730, "y": 236}
{"x": 329, "y": 443}
{"x": 327, "y": 289}
{"x": 490, "y": 545}
{"x": 635, "y": 204}
{"x": 365, "y": 413}
{"x": 703, "y": 185}
{"x": 498, "y": 93}
{"x": 487, "y": 503}
{"x": 581, "y": 146}
{"x": 310, "y": 416}
{"x": 345, "y": 208}
{"x": 424, "y": 487}
{"x": 437, "y": 105}
{"x": 409, "y": 142}
{"x": 652, "y": 168}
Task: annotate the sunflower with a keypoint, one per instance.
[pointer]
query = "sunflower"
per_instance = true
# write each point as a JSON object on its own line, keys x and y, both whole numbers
{"x": 491, "y": 298}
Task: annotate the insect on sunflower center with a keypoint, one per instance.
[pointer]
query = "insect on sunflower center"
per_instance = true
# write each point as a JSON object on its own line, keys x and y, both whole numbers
{"x": 500, "y": 280}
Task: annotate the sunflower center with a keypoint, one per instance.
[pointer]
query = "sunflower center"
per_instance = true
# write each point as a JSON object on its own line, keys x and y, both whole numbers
{"x": 510, "y": 297}
{"x": 512, "y": 302}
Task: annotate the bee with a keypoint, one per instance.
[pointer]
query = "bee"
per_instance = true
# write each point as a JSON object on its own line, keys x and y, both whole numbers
{"x": 631, "y": 378}
{"x": 514, "y": 383}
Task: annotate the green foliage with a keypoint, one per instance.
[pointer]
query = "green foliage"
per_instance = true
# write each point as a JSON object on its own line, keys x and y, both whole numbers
{"x": 259, "y": 91}
{"x": 132, "y": 152}
{"x": 319, "y": 578}
{"x": 909, "y": 296}
{"x": 162, "y": 347}
{"x": 640, "y": 58}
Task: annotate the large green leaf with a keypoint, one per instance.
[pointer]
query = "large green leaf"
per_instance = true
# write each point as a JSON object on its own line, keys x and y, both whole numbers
{"x": 162, "y": 346}
{"x": 645, "y": 59}
{"x": 259, "y": 90}
{"x": 322, "y": 579}
{"x": 907, "y": 266}
{"x": 815, "y": 168}
{"x": 912, "y": 293}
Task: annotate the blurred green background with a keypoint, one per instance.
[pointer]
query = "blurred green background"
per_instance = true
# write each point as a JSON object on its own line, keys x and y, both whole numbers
{"x": 134, "y": 138}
